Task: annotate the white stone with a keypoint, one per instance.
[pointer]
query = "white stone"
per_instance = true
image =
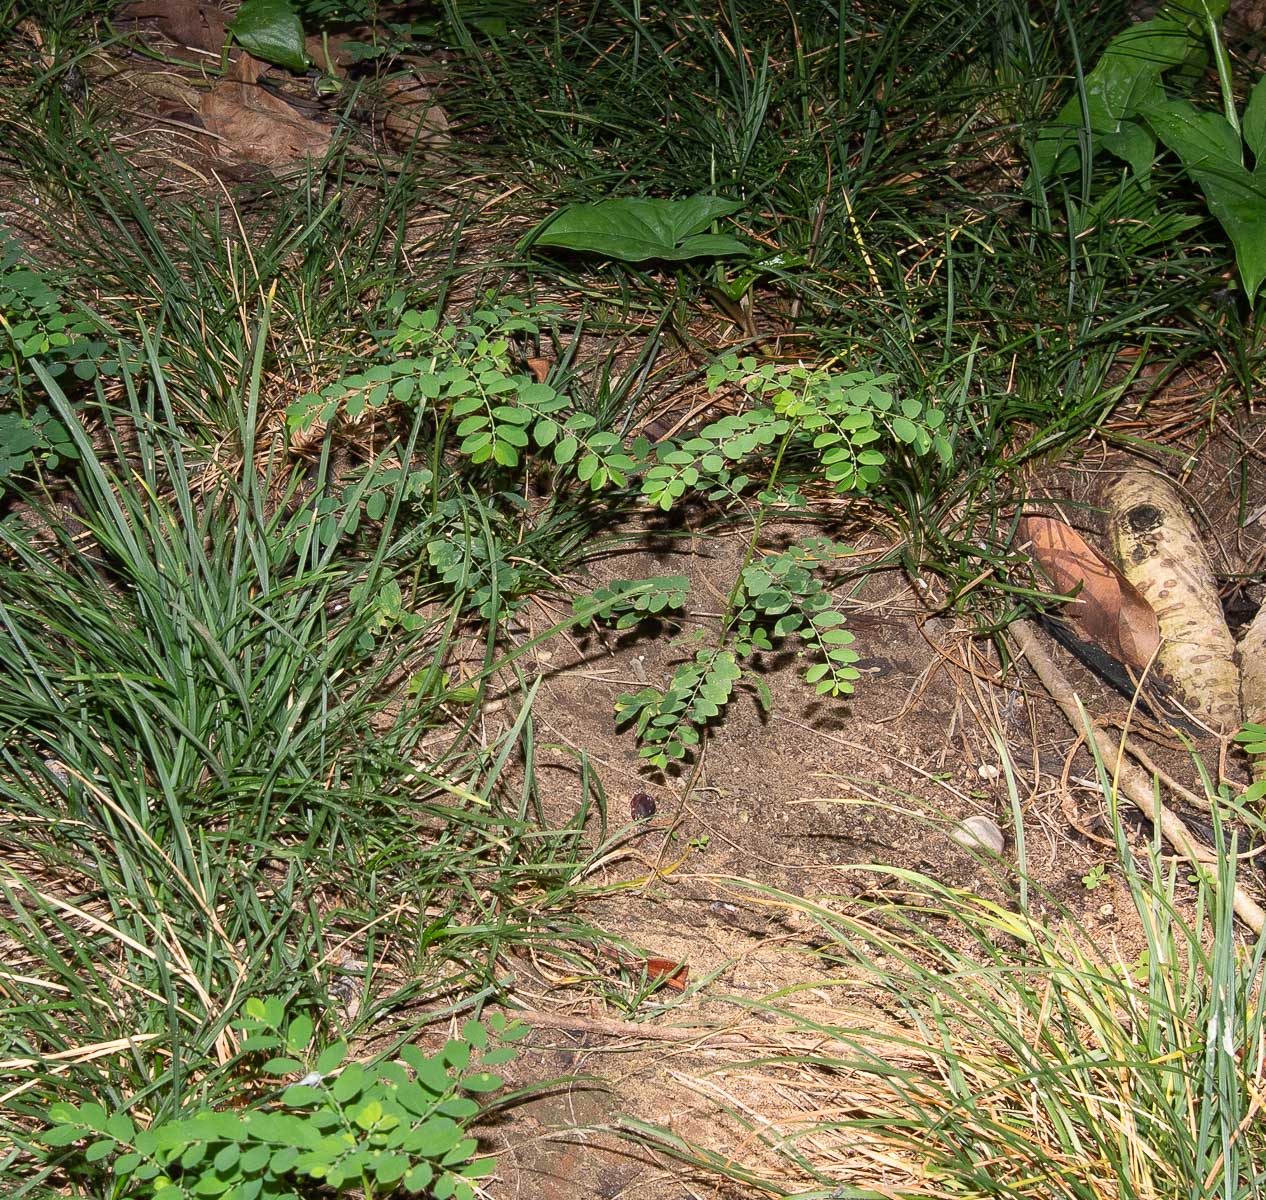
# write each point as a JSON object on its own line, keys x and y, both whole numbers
{"x": 979, "y": 833}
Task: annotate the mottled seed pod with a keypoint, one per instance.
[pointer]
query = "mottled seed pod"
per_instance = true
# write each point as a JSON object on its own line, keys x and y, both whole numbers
{"x": 1159, "y": 551}
{"x": 1253, "y": 680}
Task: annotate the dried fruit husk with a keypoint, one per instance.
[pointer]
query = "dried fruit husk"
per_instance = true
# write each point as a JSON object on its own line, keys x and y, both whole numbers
{"x": 1159, "y": 551}
{"x": 1252, "y": 649}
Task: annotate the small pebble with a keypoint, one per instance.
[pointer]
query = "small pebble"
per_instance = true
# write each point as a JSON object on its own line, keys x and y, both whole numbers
{"x": 979, "y": 833}
{"x": 988, "y": 771}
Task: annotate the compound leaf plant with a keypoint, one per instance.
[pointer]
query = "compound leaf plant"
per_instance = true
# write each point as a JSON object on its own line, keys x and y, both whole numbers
{"x": 38, "y": 322}
{"x": 822, "y": 428}
{"x": 838, "y": 423}
{"x": 398, "y": 1126}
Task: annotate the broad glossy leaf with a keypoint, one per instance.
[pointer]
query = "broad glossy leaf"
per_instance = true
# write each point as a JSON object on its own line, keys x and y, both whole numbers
{"x": 271, "y": 30}
{"x": 1253, "y": 125}
{"x": 633, "y": 229}
{"x": 1211, "y": 154}
{"x": 1124, "y": 79}
{"x": 695, "y": 213}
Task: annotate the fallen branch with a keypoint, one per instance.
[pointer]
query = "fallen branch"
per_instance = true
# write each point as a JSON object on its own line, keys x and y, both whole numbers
{"x": 1131, "y": 781}
{"x": 614, "y": 1028}
{"x": 870, "y": 1043}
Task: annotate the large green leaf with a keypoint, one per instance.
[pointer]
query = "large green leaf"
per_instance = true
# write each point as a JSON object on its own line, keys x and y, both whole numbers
{"x": 632, "y": 229}
{"x": 1253, "y": 125}
{"x": 271, "y": 30}
{"x": 1212, "y": 154}
{"x": 1124, "y": 80}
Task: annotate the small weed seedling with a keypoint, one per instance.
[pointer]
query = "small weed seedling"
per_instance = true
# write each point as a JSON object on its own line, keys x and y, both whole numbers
{"x": 832, "y": 425}
{"x": 1094, "y": 877}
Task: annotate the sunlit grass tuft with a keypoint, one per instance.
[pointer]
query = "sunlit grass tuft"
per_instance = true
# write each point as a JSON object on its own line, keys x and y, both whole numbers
{"x": 218, "y": 784}
{"x": 986, "y": 1043}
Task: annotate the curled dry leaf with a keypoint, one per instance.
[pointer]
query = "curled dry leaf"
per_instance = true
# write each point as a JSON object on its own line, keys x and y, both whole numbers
{"x": 1161, "y": 553}
{"x": 670, "y": 974}
{"x": 256, "y": 126}
{"x": 660, "y": 972}
{"x": 408, "y": 116}
{"x": 192, "y": 23}
{"x": 1107, "y": 609}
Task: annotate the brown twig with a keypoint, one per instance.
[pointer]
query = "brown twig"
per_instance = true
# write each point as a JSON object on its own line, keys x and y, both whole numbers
{"x": 871, "y": 1042}
{"x": 1129, "y": 779}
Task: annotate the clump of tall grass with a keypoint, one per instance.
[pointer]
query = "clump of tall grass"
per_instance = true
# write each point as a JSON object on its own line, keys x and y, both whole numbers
{"x": 986, "y": 1042}
{"x": 216, "y": 780}
{"x": 882, "y": 161}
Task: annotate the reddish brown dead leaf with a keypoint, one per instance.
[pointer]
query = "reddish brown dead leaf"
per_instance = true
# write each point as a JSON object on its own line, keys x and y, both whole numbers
{"x": 192, "y": 23}
{"x": 671, "y": 974}
{"x": 408, "y": 116}
{"x": 538, "y": 368}
{"x": 1108, "y": 610}
{"x": 662, "y": 972}
{"x": 256, "y": 126}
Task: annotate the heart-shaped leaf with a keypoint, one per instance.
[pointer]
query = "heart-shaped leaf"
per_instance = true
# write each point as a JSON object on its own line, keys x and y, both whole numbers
{"x": 271, "y": 30}
{"x": 1211, "y": 153}
{"x": 1126, "y": 76}
{"x": 634, "y": 229}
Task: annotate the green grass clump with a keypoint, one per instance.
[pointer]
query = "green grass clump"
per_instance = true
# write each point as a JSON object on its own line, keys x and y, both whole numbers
{"x": 215, "y": 790}
{"x": 883, "y": 164}
{"x": 980, "y": 1049}
{"x": 236, "y": 755}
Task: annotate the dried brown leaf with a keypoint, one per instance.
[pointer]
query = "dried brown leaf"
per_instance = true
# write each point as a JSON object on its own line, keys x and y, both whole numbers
{"x": 1108, "y": 609}
{"x": 191, "y": 23}
{"x": 255, "y": 125}
{"x": 671, "y": 974}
